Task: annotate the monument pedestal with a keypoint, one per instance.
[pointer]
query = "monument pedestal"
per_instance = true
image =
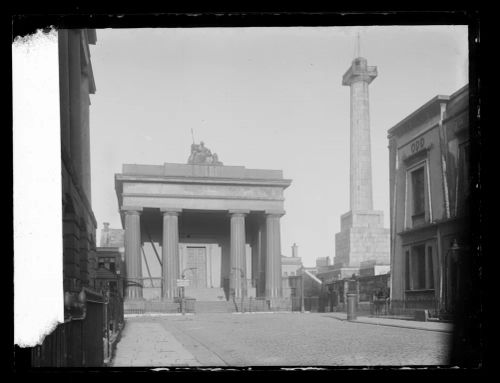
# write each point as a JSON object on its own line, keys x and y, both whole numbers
{"x": 362, "y": 237}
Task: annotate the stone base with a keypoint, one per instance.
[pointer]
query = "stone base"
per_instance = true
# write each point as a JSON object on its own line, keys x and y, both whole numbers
{"x": 362, "y": 218}
{"x": 362, "y": 238}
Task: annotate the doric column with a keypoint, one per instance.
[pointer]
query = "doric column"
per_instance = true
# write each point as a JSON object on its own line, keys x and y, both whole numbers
{"x": 238, "y": 240}
{"x": 170, "y": 252}
{"x": 273, "y": 254}
{"x": 133, "y": 260}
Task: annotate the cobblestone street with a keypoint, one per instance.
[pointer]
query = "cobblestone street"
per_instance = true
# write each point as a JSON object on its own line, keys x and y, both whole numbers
{"x": 275, "y": 339}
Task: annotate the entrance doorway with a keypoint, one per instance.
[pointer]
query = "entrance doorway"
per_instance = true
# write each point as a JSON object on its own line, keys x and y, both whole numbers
{"x": 197, "y": 263}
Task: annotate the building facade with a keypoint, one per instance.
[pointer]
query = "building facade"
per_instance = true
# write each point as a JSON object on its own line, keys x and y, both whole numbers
{"x": 79, "y": 340}
{"x": 76, "y": 82}
{"x": 429, "y": 193}
{"x": 217, "y": 226}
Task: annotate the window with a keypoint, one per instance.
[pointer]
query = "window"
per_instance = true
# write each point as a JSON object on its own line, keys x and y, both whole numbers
{"x": 430, "y": 268}
{"x": 418, "y": 192}
{"x": 419, "y": 269}
{"x": 463, "y": 175}
{"x": 407, "y": 270}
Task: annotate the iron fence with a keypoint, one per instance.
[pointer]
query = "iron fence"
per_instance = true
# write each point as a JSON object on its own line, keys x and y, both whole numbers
{"x": 114, "y": 321}
{"x": 261, "y": 304}
{"x": 404, "y": 308}
{"x": 251, "y": 304}
{"x": 78, "y": 342}
{"x": 311, "y": 304}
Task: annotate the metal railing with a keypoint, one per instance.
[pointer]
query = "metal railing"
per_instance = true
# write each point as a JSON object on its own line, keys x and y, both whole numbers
{"x": 261, "y": 304}
{"x": 78, "y": 342}
{"x": 404, "y": 308}
{"x": 311, "y": 304}
{"x": 114, "y": 321}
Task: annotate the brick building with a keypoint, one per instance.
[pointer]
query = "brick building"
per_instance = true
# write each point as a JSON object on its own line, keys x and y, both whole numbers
{"x": 78, "y": 342}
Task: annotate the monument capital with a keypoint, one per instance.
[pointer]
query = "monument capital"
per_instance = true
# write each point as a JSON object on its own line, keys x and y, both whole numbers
{"x": 359, "y": 71}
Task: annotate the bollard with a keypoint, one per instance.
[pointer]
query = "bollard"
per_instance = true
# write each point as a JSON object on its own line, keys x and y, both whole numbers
{"x": 351, "y": 306}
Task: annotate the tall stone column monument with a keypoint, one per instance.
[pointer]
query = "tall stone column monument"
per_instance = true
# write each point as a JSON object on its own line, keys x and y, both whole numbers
{"x": 362, "y": 236}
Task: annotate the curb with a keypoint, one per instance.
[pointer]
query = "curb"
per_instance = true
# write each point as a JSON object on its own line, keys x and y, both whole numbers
{"x": 402, "y": 326}
{"x": 393, "y": 325}
{"x": 156, "y": 315}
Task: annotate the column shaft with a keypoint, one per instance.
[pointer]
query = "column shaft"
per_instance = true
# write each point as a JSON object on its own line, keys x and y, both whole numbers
{"x": 170, "y": 254}
{"x": 133, "y": 262}
{"x": 238, "y": 260}
{"x": 361, "y": 172}
{"x": 273, "y": 256}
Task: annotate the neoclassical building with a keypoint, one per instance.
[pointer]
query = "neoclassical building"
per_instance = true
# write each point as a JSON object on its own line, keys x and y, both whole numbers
{"x": 217, "y": 226}
{"x": 430, "y": 192}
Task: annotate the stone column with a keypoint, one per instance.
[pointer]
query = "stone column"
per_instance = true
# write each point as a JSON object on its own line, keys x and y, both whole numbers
{"x": 238, "y": 259}
{"x": 358, "y": 77}
{"x": 133, "y": 261}
{"x": 273, "y": 254}
{"x": 170, "y": 252}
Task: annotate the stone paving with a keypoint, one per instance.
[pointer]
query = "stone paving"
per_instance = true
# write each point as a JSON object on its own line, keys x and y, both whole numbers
{"x": 148, "y": 344}
{"x": 279, "y": 339}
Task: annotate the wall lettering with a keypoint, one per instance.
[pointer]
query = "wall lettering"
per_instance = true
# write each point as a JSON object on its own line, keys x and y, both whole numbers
{"x": 417, "y": 145}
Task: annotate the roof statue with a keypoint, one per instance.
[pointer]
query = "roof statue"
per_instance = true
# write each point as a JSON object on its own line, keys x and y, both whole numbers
{"x": 201, "y": 155}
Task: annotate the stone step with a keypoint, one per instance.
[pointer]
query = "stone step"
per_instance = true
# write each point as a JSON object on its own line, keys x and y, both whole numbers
{"x": 215, "y": 294}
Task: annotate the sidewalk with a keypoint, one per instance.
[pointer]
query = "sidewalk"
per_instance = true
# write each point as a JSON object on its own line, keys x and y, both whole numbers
{"x": 411, "y": 324}
{"x": 149, "y": 344}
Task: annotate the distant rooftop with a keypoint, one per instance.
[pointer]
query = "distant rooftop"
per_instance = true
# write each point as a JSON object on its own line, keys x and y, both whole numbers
{"x": 111, "y": 237}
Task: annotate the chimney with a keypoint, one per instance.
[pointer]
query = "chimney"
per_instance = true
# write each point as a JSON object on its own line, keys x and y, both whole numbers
{"x": 295, "y": 250}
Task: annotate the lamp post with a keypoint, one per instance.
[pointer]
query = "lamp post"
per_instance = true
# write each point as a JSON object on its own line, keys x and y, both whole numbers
{"x": 452, "y": 273}
{"x": 302, "y": 292}
{"x": 183, "y": 276}
{"x": 242, "y": 274}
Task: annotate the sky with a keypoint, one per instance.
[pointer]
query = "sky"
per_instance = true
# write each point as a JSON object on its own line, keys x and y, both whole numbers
{"x": 263, "y": 98}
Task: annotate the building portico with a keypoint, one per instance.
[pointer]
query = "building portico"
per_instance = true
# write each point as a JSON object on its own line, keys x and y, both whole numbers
{"x": 218, "y": 226}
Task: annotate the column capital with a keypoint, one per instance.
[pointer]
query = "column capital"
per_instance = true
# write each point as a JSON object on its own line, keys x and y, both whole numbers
{"x": 131, "y": 209}
{"x": 237, "y": 212}
{"x": 278, "y": 213}
{"x": 170, "y": 211}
